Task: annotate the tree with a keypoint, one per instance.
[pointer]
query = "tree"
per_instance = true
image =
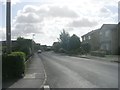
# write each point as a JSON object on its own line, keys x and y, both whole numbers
{"x": 85, "y": 48}
{"x": 56, "y": 46}
{"x": 24, "y": 45}
{"x": 74, "y": 42}
{"x": 64, "y": 39}
{"x": 37, "y": 46}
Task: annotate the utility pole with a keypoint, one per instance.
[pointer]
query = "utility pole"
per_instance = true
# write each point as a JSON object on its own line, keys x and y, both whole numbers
{"x": 33, "y": 43}
{"x": 8, "y": 26}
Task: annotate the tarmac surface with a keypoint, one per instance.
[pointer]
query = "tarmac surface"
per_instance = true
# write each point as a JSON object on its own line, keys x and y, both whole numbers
{"x": 73, "y": 72}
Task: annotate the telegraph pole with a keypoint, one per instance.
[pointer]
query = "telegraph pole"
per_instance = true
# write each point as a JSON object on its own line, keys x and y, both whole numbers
{"x": 33, "y": 43}
{"x": 8, "y": 26}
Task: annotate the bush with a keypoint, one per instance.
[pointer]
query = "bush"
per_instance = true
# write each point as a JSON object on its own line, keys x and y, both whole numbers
{"x": 108, "y": 52}
{"x": 118, "y": 50}
{"x": 73, "y": 52}
{"x": 98, "y": 53}
{"x": 85, "y": 48}
{"x": 4, "y": 66}
{"x": 61, "y": 50}
{"x": 13, "y": 65}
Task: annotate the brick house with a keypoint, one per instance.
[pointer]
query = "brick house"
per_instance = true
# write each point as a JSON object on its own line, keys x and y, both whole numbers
{"x": 106, "y": 38}
{"x": 109, "y": 38}
{"x": 92, "y": 38}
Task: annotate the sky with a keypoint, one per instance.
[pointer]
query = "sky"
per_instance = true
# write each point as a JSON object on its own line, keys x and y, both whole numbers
{"x": 47, "y": 18}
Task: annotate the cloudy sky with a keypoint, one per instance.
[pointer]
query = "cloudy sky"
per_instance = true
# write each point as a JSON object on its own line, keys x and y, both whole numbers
{"x": 47, "y": 18}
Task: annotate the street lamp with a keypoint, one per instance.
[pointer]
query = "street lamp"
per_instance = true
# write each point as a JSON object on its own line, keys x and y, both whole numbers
{"x": 8, "y": 26}
{"x": 33, "y": 43}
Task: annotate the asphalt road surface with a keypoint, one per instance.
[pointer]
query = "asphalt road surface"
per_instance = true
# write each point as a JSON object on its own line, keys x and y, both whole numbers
{"x": 73, "y": 72}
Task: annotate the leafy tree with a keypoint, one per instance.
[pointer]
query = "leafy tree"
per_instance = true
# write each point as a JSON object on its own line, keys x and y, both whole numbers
{"x": 64, "y": 39}
{"x": 74, "y": 42}
{"x": 67, "y": 44}
{"x": 37, "y": 46}
{"x": 85, "y": 48}
{"x": 24, "y": 45}
{"x": 56, "y": 46}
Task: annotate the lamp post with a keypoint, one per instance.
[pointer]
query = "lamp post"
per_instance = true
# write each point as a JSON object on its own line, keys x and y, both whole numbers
{"x": 8, "y": 26}
{"x": 33, "y": 43}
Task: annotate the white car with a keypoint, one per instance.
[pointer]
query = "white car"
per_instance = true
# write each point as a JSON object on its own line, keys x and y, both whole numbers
{"x": 39, "y": 51}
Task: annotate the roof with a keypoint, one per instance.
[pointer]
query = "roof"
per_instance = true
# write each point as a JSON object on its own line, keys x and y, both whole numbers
{"x": 109, "y": 26}
{"x": 93, "y": 31}
{"x": 106, "y": 26}
{"x": 5, "y": 41}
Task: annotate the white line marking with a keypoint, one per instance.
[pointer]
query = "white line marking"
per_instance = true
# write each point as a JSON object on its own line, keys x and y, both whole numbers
{"x": 46, "y": 87}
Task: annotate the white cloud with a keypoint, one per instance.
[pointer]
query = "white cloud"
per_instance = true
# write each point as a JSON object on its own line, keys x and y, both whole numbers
{"x": 29, "y": 8}
{"x": 21, "y": 29}
{"x": 104, "y": 10}
{"x": 32, "y": 18}
{"x": 64, "y": 11}
{"x": 84, "y": 22}
{"x": 76, "y": 16}
{"x": 28, "y": 18}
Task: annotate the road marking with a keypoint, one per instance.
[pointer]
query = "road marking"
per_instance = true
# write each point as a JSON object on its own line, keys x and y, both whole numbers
{"x": 30, "y": 75}
{"x": 45, "y": 79}
{"x": 33, "y": 75}
{"x": 46, "y": 87}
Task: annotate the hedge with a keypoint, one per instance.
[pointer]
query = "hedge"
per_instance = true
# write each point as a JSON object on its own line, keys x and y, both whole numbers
{"x": 98, "y": 53}
{"x": 13, "y": 65}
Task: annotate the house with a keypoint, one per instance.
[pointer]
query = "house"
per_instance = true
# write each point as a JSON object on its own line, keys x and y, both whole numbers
{"x": 17, "y": 45}
{"x": 109, "y": 38}
{"x": 92, "y": 38}
{"x": 3, "y": 44}
{"x": 118, "y": 38}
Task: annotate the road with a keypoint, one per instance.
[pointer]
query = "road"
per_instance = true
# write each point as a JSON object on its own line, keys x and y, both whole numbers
{"x": 73, "y": 72}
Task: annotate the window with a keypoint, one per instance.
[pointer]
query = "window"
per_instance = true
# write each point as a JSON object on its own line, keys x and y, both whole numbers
{"x": 89, "y": 37}
{"x": 107, "y": 33}
{"x": 84, "y": 38}
{"x": 100, "y": 33}
{"x": 108, "y": 46}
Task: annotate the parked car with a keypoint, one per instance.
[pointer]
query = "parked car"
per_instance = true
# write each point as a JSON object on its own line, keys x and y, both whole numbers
{"x": 39, "y": 51}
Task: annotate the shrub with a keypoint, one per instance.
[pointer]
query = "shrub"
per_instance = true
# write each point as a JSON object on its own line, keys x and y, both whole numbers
{"x": 61, "y": 50}
{"x": 98, "y": 53}
{"x": 4, "y": 66}
{"x": 108, "y": 52}
{"x": 85, "y": 48}
{"x": 119, "y": 50}
{"x": 56, "y": 46}
{"x": 13, "y": 65}
{"x": 73, "y": 52}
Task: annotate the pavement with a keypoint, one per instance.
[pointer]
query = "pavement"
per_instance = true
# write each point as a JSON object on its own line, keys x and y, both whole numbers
{"x": 35, "y": 76}
{"x": 73, "y": 72}
{"x": 109, "y": 58}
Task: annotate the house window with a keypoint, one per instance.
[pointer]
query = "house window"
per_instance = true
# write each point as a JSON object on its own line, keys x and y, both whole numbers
{"x": 84, "y": 38}
{"x": 89, "y": 37}
{"x": 107, "y": 33}
{"x": 108, "y": 47}
{"x": 100, "y": 33}
{"x": 103, "y": 47}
